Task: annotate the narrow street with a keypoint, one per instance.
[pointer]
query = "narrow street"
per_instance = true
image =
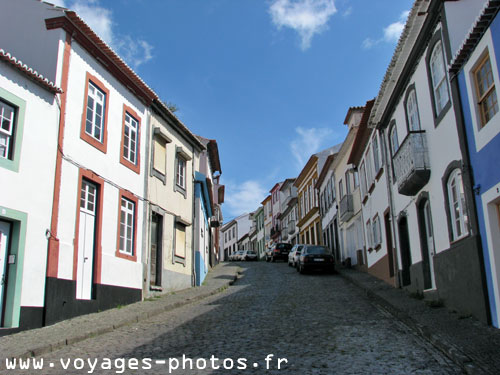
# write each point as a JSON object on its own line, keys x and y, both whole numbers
{"x": 319, "y": 323}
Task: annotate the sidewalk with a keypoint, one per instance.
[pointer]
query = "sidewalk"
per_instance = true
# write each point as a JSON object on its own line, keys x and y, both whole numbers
{"x": 471, "y": 344}
{"x": 47, "y": 339}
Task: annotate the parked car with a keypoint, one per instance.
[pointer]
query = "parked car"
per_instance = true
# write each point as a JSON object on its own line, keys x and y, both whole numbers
{"x": 236, "y": 255}
{"x": 249, "y": 255}
{"x": 278, "y": 251}
{"x": 313, "y": 257}
{"x": 294, "y": 254}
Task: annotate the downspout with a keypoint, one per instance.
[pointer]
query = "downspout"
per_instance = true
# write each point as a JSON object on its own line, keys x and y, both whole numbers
{"x": 145, "y": 210}
{"x": 391, "y": 208}
{"x": 193, "y": 273}
{"x": 53, "y": 241}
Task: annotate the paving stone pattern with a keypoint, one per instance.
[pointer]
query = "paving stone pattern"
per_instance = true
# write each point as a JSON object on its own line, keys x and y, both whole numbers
{"x": 321, "y": 323}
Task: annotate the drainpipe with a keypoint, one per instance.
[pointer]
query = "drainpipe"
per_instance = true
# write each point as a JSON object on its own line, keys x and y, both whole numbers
{"x": 391, "y": 207}
{"x": 145, "y": 210}
{"x": 193, "y": 273}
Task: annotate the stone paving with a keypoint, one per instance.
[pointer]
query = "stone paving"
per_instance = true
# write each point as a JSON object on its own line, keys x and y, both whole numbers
{"x": 319, "y": 323}
{"x": 468, "y": 342}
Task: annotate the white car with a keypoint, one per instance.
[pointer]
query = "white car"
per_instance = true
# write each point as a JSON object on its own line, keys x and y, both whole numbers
{"x": 249, "y": 255}
{"x": 236, "y": 255}
{"x": 293, "y": 256}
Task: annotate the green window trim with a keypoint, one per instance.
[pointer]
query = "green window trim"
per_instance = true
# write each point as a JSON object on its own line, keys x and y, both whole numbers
{"x": 20, "y": 104}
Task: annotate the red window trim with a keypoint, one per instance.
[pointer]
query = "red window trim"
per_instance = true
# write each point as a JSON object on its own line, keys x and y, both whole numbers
{"x": 137, "y": 166}
{"x": 83, "y": 135}
{"x": 127, "y": 195}
{"x": 95, "y": 179}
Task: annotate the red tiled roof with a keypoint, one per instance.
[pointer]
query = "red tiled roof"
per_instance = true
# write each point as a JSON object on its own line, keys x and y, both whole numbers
{"x": 482, "y": 23}
{"x": 32, "y": 74}
{"x": 362, "y": 135}
{"x": 89, "y": 40}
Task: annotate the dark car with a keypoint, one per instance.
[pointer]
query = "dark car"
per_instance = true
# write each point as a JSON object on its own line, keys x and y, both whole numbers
{"x": 313, "y": 257}
{"x": 278, "y": 251}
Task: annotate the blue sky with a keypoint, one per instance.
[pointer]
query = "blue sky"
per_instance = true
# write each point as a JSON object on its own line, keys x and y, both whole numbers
{"x": 270, "y": 80}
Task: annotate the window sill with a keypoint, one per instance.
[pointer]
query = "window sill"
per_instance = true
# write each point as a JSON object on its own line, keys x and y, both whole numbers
{"x": 132, "y": 258}
{"x": 365, "y": 199}
{"x": 180, "y": 190}
{"x": 380, "y": 173}
{"x": 159, "y": 175}
{"x": 372, "y": 187}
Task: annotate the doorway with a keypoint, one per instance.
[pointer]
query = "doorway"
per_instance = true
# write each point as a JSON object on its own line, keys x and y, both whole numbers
{"x": 427, "y": 244}
{"x": 86, "y": 240}
{"x": 388, "y": 236}
{"x": 404, "y": 245}
{"x": 4, "y": 254}
{"x": 156, "y": 250}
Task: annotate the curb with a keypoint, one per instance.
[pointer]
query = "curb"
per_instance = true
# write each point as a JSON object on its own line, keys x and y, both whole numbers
{"x": 134, "y": 318}
{"x": 451, "y": 351}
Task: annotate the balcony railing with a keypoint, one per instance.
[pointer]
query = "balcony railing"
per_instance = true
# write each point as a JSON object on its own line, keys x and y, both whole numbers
{"x": 346, "y": 207}
{"x": 411, "y": 164}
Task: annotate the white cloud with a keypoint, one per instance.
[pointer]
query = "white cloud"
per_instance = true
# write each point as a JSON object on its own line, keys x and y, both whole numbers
{"x": 307, "y": 17}
{"x": 347, "y": 12}
{"x": 308, "y": 142}
{"x": 391, "y": 32}
{"x": 244, "y": 197}
{"x": 134, "y": 51}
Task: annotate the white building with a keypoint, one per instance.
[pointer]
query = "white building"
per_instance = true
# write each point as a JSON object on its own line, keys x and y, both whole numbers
{"x": 430, "y": 191}
{"x": 95, "y": 236}
{"x": 350, "y": 221}
{"x": 28, "y": 113}
{"x": 173, "y": 157}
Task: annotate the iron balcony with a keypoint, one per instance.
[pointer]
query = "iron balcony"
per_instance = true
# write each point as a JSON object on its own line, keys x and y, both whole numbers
{"x": 411, "y": 164}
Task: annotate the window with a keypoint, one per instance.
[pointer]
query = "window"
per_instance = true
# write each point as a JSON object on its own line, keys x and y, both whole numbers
{"x": 127, "y": 226}
{"x": 376, "y": 154}
{"x": 341, "y": 189}
{"x": 364, "y": 188}
{"x": 348, "y": 182}
{"x": 438, "y": 77}
{"x": 369, "y": 235}
{"x": 412, "y": 111}
{"x": 456, "y": 201}
{"x": 332, "y": 187}
{"x": 94, "y": 124}
{"x": 394, "y": 140}
{"x": 234, "y": 232}
{"x": 95, "y": 114}
{"x": 160, "y": 155}
{"x": 225, "y": 237}
{"x": 7, "y": 130}
{"x": 356, "y": 178}
{"x": 130, "y": 139}
{"x": 180, "y": 240}
{"x": 369, "y": 166}
{"x": 485, "y": 90}
{"x": 377, "y": 236}
{"x": 12, "y": 110}
{"x": 180, "y": 175}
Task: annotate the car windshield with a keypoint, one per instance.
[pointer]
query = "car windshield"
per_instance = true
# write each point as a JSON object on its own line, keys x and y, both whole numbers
{"x": 317, "y": 250}
{"x": 284, "y": 246}
{"x": 250, "y": 252}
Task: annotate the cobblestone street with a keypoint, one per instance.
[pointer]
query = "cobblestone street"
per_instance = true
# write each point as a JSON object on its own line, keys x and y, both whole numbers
{"x": 320, "y": 323}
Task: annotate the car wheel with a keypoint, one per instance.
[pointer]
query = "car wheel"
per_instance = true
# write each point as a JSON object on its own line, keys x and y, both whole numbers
{"x": 272, "y": 259}
{"x": 301, "y": 269}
